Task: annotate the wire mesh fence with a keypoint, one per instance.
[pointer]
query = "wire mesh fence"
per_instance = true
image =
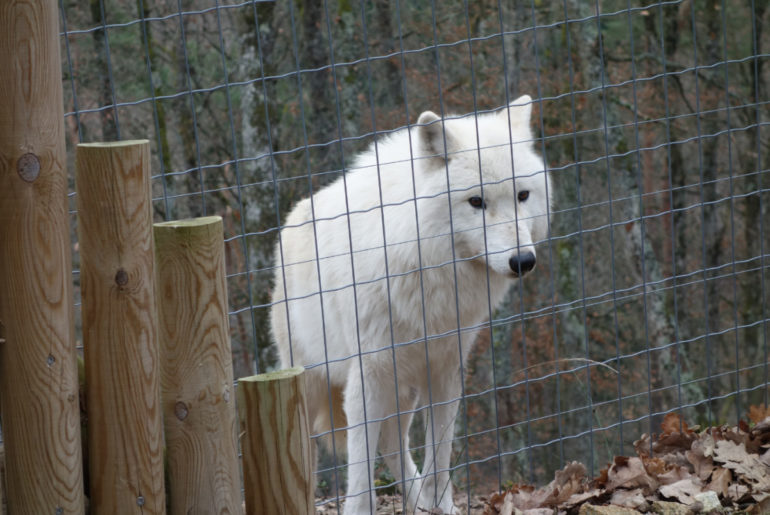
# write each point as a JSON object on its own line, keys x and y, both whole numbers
{"x": 650, "y": 293}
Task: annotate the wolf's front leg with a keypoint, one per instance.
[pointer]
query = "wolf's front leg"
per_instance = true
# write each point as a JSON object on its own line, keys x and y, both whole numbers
{"x": 364, "y": 408}
{"x": 437, "y": 483}
{"x": 394, "y": 448}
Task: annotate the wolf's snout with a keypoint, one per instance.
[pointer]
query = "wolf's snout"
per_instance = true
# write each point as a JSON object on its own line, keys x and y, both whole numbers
{"x": 522, "y": 263}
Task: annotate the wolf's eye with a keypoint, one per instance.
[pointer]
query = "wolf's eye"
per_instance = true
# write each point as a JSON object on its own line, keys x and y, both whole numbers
{"x": 523, "y": 195}
{"x": 477, "y": 202}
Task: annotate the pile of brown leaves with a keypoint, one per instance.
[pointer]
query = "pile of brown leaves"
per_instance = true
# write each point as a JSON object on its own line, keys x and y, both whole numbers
{"x": 682, "y": 470}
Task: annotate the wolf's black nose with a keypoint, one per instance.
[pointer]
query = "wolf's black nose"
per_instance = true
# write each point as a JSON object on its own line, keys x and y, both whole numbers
{"x": 522, "y": 263}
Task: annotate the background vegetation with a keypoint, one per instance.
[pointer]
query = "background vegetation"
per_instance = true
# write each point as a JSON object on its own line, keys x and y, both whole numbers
{"x": 653, "y": 117}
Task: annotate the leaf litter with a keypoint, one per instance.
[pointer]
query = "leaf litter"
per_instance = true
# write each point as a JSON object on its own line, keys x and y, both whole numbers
{"x": 683, "y": 470}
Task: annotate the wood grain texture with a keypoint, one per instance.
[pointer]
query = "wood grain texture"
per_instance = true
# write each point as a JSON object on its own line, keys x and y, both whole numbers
{"x": 120, "y": 331}
{"x": 275, "y": 441}
{"x": 197, "y": 371}
{"x": 3, "y": 501}
{"x": 38, "y": 374}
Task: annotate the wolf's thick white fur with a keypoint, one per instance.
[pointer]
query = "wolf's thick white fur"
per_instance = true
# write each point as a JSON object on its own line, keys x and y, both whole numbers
{"x": 403, "y": 258}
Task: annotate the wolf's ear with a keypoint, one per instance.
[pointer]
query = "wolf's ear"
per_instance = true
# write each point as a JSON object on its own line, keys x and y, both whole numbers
{"x": 432, "y": 134}
{"x": 520, "y": 111}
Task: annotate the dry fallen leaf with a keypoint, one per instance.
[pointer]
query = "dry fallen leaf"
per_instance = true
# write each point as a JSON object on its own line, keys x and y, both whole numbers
{"x": 737, "y": 492}
{"x": 590, "y": 509}
{"x": 507, "y": 507}
{"x": 628, "y": 498}
{"x": 601, "y": 479}
{"x": 567, "y": 482}
{"x": 738, "y": 436}
{"x": 643, "y": 446}
{"x": 580, "y": 498}
{"x": 720, "y": 481}
{"x": 765, "y": 458}
{"x": 760, "y": 434}
{"x": 762, "y": 507}
{"x": 747, "y": 466}
{"x": 673, "y": 423}
{"x": 705, "y": 444}
{"x": 702, "y": 465}
{"x": 684, "y": 491}
{"x": 727, "y": 465}
{"x": 758, "y": 413}
{"x": 629, "y": 473}
{"x": 762, "y": 426}
{"x": 674, "y": 474}
{"x": 655, "y": 466}
{"x": 673, "y": 445}
{"x": 530, "y": 498}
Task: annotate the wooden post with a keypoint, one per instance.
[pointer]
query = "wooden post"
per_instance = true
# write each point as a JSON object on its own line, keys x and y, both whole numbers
{"x": 197, "y": 369}
{"x": 120, "y": 336}
{"x": 277, "y": 462}
{"x": 38, "y": 375}
{"x": 3, "y": 507}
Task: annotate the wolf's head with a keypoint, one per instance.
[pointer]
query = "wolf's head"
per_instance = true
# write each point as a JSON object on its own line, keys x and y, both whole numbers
{"x": 498, "y": 187}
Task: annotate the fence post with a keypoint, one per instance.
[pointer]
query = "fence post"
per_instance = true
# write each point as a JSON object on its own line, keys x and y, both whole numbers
{"x": 277, "y": 460}
{"x": 125, "y": 442}
{"x": 3, "y": 507}
{"x": 38, "y": 375}
{"x": 197, "y": 369}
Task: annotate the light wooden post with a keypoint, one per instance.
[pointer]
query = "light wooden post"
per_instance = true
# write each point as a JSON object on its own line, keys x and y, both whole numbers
{"x": 38, "y": 375}
{"x": 277, "y": 463}
{"x": 125, "y": 440}
{"x": 197, "y": 369}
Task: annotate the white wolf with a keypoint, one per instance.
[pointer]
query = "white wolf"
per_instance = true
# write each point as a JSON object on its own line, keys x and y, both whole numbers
{"x": 384, "y": 277}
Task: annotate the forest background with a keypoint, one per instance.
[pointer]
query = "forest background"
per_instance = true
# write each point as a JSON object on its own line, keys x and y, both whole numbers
{"x": 652, "y": 117}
